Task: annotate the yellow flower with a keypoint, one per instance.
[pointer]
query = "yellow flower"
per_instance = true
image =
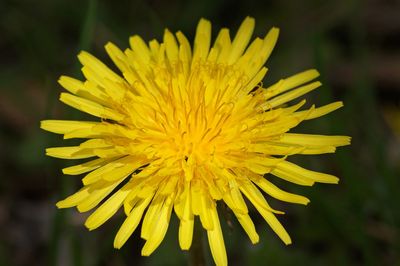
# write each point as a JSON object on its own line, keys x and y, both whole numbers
{"x": 183, "y": 129}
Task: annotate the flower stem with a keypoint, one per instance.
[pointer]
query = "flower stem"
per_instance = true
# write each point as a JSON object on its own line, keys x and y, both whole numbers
{"x": 196, "y": 252}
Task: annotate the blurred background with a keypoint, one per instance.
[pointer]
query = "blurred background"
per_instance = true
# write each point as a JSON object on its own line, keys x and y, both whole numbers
{"x": 355, "y": 46}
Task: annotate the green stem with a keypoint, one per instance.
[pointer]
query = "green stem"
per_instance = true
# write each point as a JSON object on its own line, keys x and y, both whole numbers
{"x": 196, "y": 252}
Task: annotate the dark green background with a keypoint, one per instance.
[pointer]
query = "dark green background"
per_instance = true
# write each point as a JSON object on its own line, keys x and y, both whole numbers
{"x": 354, "y": 44}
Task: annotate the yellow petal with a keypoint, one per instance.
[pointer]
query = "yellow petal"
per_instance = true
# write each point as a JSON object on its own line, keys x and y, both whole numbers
{"x": 154, "y": 46}
{"x": 140, "y": 48}
{"x": 112, "y": 171}
{"x": 320, "y": 111}
{"x": 275, "y": 148}
{"x": 288, "y": 149}
{"x": 305, "y": 174}
{"x": 88, "y": 89}
{"x": 185, "y": 52}
{"x": 205, "y": 215}
{"x": 90, "y": 107}
{"x": 292, "y": 177}
{"x": 107, "y": 209}
{"x": 202, "y": 40}
{"x": 131, "y": 223}
{"x": 216, "y": 240}
{"x": 246, "y": 62}
{"x": 65, "y": 126}
{"x": 70, "y": 84}
{"x": 159, "y": 228}
{"x": 274, "y": 224}
{"x": 117, "y": 91}
{"x": 269, "y": 43}
{"x": 74, "y": 199}
{"x": 74, "y": 152}
{"x": 98, "y": 192}
{"x": 248, "y": 226}
{"x": 98, "y": 67}
{"x": 277, "y": 193}
{"x": 255, "y": 196}
{"x": 85, "y": 167}
{"x": 255, "y": 80}
{"x": 196, "y": 196}
{"x": 151, "y": 216}
{"x": 117, "y": 56}
{"x": 132, "y": 199}
{"x": 95, "y": 144}
{"x": 286, "y": 97}
{"x": 314, "y": 140}
{"x": 265, "y": 211}
{"x": 223, "y": 45}
{"x": 186, "y": 233}
{"x": 291, "y": 82}
{"x": 241, "y": 39}
{"x": 257, "y": 168}
{"x": 237, "y": 198}
{"x": 171, "y": 46}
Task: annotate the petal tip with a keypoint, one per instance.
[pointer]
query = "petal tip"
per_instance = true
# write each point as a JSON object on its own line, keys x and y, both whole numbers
{"x": 43, "y": 124}
{"x": 117, "y": 244}
{"x": 60, "y": 205}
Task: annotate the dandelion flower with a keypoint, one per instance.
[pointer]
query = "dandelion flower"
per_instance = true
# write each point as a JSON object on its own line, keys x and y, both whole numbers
{"x": 182, "y": 129}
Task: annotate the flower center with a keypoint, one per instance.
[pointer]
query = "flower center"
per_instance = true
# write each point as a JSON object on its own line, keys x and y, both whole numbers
{"x": 193, "y": 116}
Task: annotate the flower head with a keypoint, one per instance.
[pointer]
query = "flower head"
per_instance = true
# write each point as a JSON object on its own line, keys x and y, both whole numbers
{"x": 184, "y": 128}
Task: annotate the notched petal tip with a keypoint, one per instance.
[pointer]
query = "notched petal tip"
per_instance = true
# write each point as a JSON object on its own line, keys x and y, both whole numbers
{"x": 48, "y": 151}
{"x": 275, "y": 30}
{"x": 44, "y": 124}
{"x": 254, "y": 240}
{"x": 83, "y": 56}
{"x": 313, "y": 73}
{"x": 317, "y": 84}
{"x": 335, "y": 182}
{"x": 288, "y": 242}
{"x": 145, "y": 253}
{"x": 249, "y": 22}
{"x": 88, "y": 226}
{"x": 82, "y": 209}
{"x": 91, "y": 223}
{"x": 61, "y": 205}
{"x": 65, "y": 203}
{"x": 273, "y": 35}
{"x": 109, "y": 45}
{"x": 117, "y": 245}
{"x": 305, "y": 202}
{"x": 62, "y": 79}
{"x": 204, "y": 21}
